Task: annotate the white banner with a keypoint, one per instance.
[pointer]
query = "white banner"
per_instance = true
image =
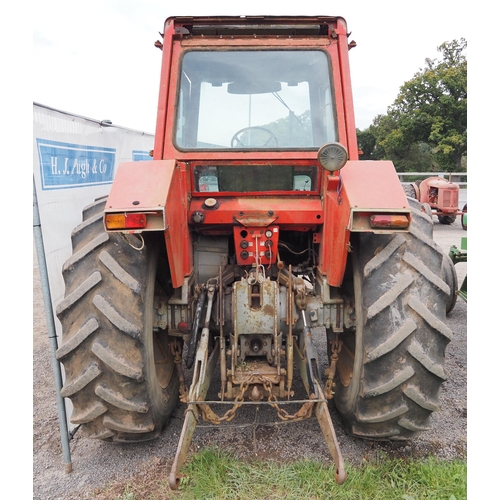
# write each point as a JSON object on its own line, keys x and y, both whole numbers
{"x": 74, "y": 162}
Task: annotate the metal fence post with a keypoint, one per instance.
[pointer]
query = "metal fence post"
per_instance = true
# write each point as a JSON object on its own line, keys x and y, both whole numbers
{"x": 56, "y": 367}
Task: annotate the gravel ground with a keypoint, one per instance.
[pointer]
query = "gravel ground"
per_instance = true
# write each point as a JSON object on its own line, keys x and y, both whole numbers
{"x": 97, "y": 464}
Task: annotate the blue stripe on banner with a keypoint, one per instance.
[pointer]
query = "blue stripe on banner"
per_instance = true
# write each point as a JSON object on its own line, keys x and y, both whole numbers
{"x": 64, "y": 165}
{"x": 140, "y": 155}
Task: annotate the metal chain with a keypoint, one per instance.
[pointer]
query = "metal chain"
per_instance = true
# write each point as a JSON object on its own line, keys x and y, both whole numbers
{"x": 210, "y": 416}
{"x": 304, "y": 412}
{"x": 330, "y": 371}
{"x": 176, "y": 350}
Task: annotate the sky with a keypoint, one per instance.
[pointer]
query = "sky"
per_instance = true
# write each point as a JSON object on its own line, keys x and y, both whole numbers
{"x": 97, "y": 58}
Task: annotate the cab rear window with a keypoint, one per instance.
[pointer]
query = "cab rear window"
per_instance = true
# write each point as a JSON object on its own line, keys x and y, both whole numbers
{"x": 255, "y": 178}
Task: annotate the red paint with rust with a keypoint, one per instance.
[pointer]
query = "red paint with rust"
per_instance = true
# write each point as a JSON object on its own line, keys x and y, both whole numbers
{"x": 442, "y": 195}
{"x": 326, "y": 209}
{"x": 157, "y": 186}
{"x": 175, "y": 45}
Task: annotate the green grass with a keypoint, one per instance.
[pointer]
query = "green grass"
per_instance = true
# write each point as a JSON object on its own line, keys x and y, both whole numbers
{"x": 215, "y": 475}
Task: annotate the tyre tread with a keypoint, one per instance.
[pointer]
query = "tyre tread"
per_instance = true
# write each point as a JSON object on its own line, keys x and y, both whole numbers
{"x": 71, "y": 387}
{"x": 383, "y": 417}
{"x": 116, "y": 398}
{"x": 85, "y": 251}
{"x": 71, "y": 299}
{"x": 431, "y": 319}
{"x": 393, "y": 341}
{"x": 108, "y": 358}
{"x": 397, "y": 379}
{"x": 89, "y": 327}
{"x": 390, "y": 296}
{"x": 117, "y": 362}
{"x": 417, "y": 351}
{"x": 119, "y": 273}
{"x": 114, "y": 316}
{"x": 432, "y": 277}
{"x": 89, "y": 413}
{"x": 397, "y": 361}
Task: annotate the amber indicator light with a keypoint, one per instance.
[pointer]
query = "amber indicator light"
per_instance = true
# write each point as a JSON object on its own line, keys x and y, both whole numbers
{"x": 389, "y": 221}
{"x": 126, "y": 221}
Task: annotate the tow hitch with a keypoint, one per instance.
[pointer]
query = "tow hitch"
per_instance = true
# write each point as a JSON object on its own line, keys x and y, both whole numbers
{"x": 263, "y": 380}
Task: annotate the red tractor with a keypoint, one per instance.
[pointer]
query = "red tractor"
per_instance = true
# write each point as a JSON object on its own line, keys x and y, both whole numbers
{"x": 254, "y": 232}
{"x": 438, "y": 197}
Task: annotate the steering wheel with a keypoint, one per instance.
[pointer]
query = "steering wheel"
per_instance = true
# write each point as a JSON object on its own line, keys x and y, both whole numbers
{"x": 236, "y": 140}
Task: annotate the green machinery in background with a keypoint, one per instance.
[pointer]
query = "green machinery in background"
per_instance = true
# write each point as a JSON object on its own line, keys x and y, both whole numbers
{"x": 460, "y": 255}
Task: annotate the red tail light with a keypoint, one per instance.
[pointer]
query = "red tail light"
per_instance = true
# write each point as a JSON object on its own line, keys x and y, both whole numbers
{"x": 389, "y": 221}
{"x": 133, "y": 220}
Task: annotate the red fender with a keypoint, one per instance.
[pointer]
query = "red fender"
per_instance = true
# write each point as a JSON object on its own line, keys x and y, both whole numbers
{"x": 362, "y": 189}
{"x": 159, "y": 189}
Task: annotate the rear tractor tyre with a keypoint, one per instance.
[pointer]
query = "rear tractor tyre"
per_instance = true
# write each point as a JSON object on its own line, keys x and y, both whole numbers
{"x": 450, "y": 276}
{"x": 446, "y": 219}
{"x": 391, "y": 368}
{"x": 426, "y": 208}
{"x": 410, "y": 190}
{"x": 119, "y": 373}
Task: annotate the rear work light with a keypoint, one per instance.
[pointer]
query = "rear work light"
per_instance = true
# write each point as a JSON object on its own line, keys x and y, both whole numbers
{"x": 332, "y": 156}
{"x": 389, "y": 221}
{"x": 134, "y": 220}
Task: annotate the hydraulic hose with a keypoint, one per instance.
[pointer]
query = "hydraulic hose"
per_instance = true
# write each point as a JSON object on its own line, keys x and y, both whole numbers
{"x": 195, "y": 331}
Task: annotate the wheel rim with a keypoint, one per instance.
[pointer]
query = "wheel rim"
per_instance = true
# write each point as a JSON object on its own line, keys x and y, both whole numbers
{"x": 350, "y": 360}
{"x": 163, "y": 359}
{"x": 162, "y": 355}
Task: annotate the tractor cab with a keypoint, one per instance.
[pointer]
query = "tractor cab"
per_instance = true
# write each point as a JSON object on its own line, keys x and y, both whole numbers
{"x": 254, "y": 99}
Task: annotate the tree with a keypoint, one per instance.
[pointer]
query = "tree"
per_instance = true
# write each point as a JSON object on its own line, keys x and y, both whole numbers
{"x": 380, "y": 142}
{"x": 367, "y": 143}
{"x": 293, "y": 130}
{"x": 428, "y": 119}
